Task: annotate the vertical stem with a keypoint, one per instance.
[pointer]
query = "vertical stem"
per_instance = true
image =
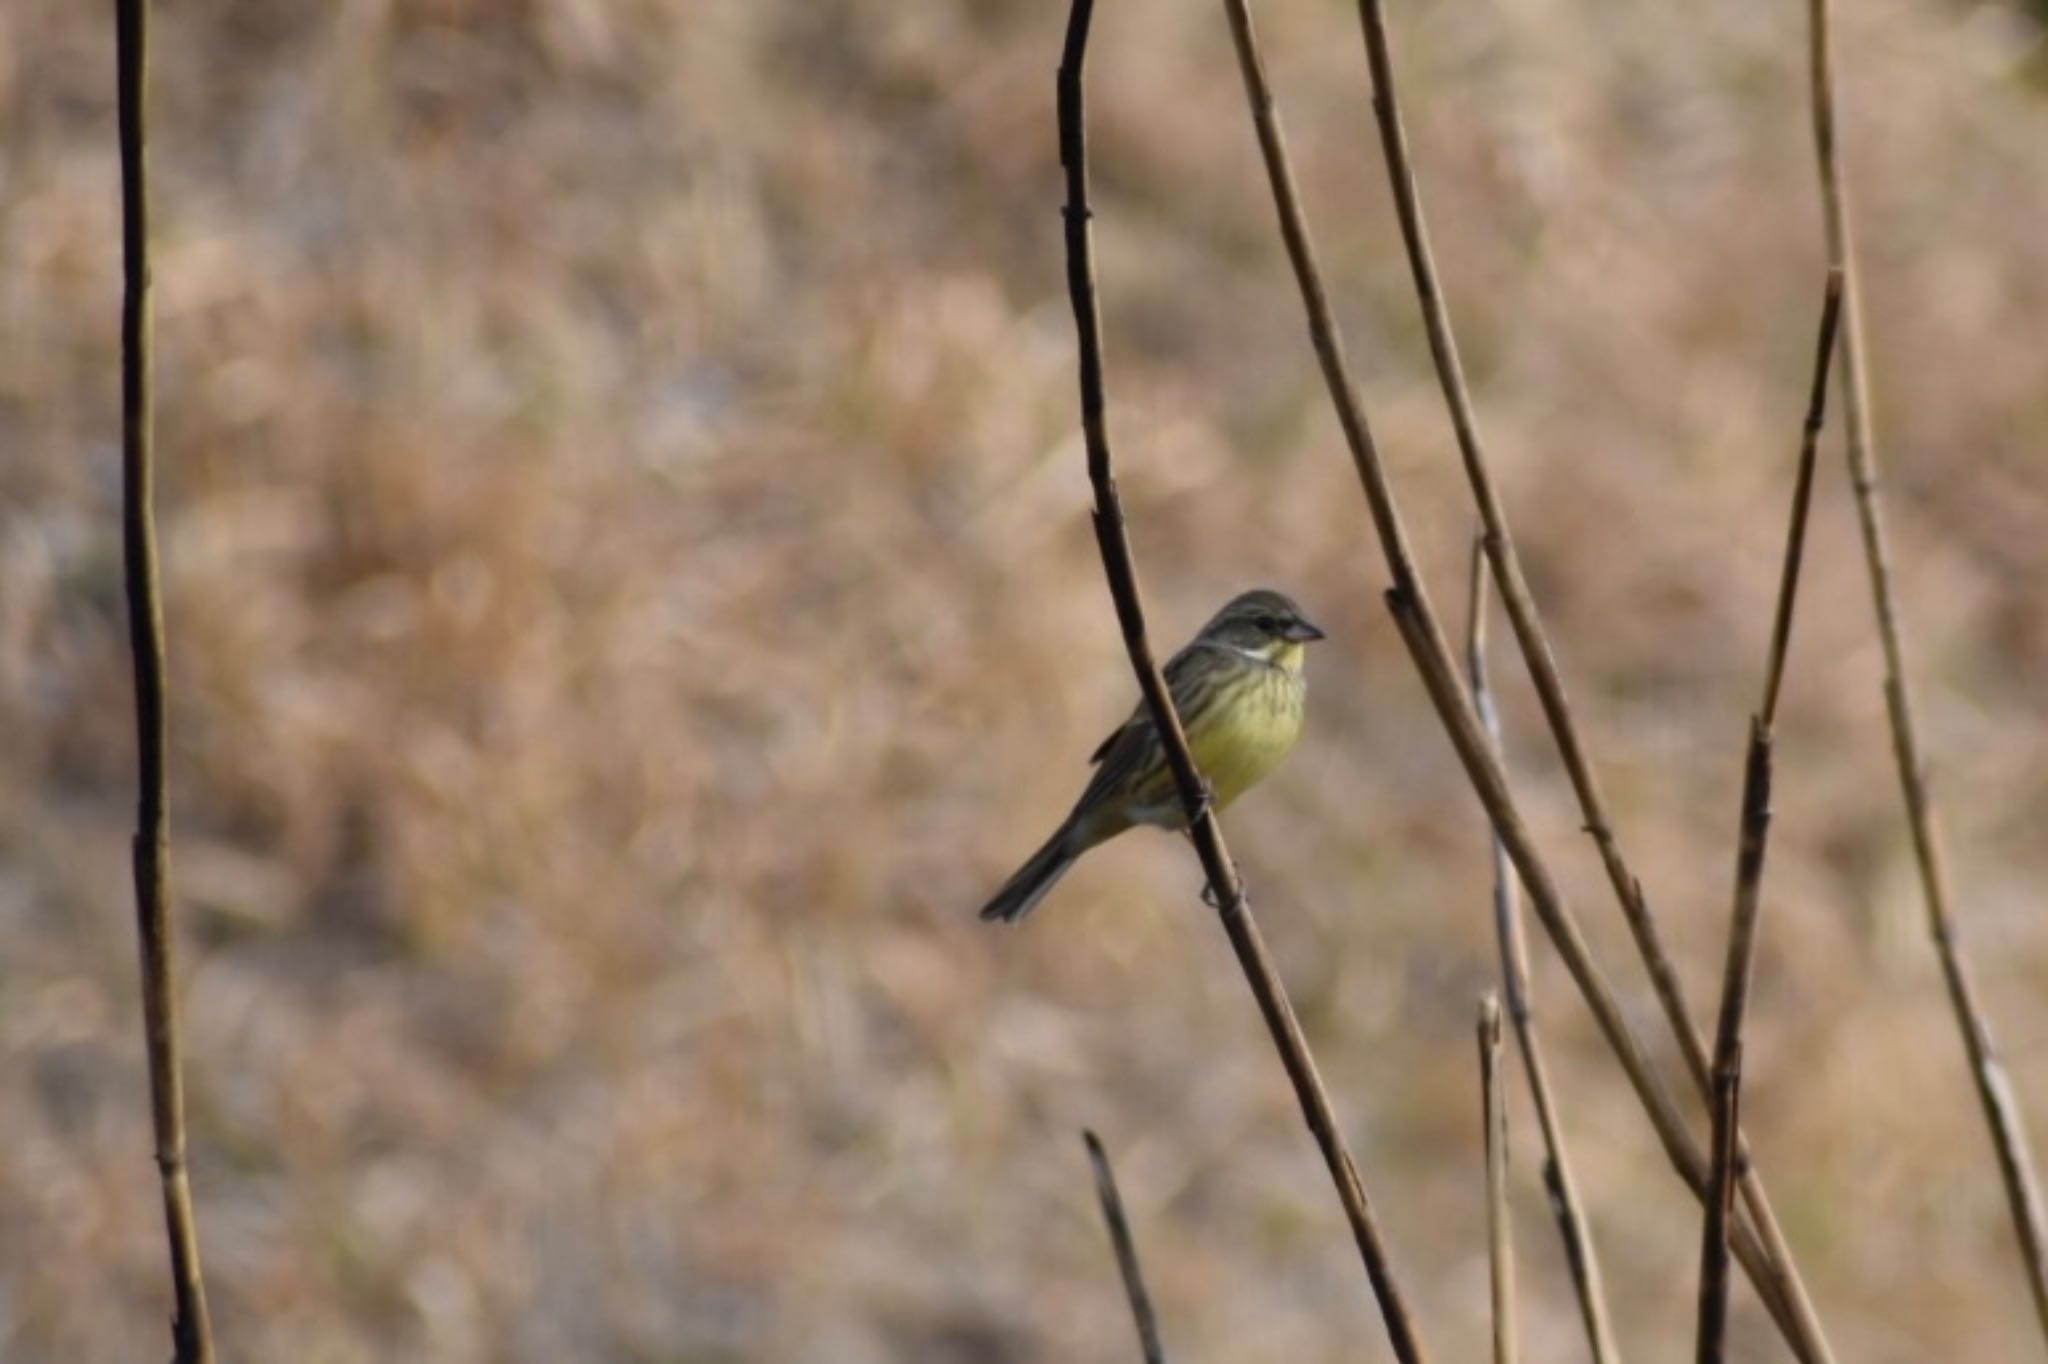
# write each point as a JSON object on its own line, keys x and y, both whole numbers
{"x": 1736, "y": 977}
{"x": 1499, "y": 543}
{"x": 1121, "y": 571}
{"x": 191, "y": 1330}
{"x": 1558, "y": 1180}
{"x": 1713, "y": 1328}
{"x": 1753, "y": 840}
{"x": 1126, "y": 1251}
{"x": 1785, "y": 1291}
{"x": 1500, "y": 1243}
{"x": 1802, "y": 495}
{"x": 1422, "y": 633}
{"x": 1994, "y": 1089}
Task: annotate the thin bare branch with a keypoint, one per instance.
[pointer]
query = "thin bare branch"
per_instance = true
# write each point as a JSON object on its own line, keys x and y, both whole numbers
{"x": 1752, "y": 842}
{"x": 1126, "y": 1250}
{"x": 1796, "y": 1310}
{"x": 1558, "y": 1180}
{"x": 1500, "y": 1244}
{"x": 1994, "y": 1089}
{"x": 191, "y": 1328}
{"x": 1713, "y": 1327}
{"x": 1226, "y": 889}
{"x": 1802, "y": 496}
{"x": 1506, "y": 562}
{"x": 1421, "y": 632}
{"x": 1749, "y": 875}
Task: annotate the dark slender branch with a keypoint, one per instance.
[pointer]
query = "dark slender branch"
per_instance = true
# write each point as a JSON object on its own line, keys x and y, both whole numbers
{"x": 1225, "y": 887}
{"x": 191, "y": 1330}
{"x": 1500, "y": 1244}
{"x": 1994, "y": 1088}
{"x": 1126, "y": 1250}
{"x": 1749, "y": 873}
{"x": 1713, "y": 1327}
{"x": 1802, "y": 495}
{"x": 1558, "y": 1180}
{"x": 1752, "y": 842}
{"x": 1793, "y": 1308}
{"x": 1417, "y": 621}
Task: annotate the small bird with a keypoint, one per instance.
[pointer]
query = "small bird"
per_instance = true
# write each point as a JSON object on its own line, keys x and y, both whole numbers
{"x": 1240, "y": 693}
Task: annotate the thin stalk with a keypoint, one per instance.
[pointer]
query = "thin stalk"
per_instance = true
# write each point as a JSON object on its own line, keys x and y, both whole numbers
{"x": 1752, "y": 842}
{"x": 1994, "y": 1090}
{"x": 1226, "y": 889}
{"x": 1802, "y": 495}
{"x": 1558, "y": 1180}
{"x": 1740, "y": 969}
{"x": 1713, "y": 1328}
{"x": 1421, "y": 632}
{"x": 1806, "y": 1334}
{"x": 1126, "y": 1251}
{"x": 1506, "y": 562}
{"x": 1500, "y": 1243}
{"x": 191, "y": 1328}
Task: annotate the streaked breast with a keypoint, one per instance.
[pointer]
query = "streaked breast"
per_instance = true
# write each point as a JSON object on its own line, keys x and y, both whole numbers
{"x": 1238, "y": 751}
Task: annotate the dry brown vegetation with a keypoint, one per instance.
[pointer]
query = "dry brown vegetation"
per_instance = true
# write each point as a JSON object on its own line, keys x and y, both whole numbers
{"x": 622, "y": 518}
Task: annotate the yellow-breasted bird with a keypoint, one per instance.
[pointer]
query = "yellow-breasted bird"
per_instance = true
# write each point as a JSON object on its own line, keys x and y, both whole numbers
{"x": 1240, "y": 693}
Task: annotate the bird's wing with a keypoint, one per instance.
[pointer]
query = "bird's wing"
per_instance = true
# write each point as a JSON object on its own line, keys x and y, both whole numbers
{"x": 1130, "y": 757}
{"x": 1132, "y": 735}
{"x": 1102, "y": 750}
{"x": 1119, "y": 758}
{"x": 1139, "y": 726}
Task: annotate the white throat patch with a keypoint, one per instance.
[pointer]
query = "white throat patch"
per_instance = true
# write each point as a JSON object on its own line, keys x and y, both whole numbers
{"x": 1252, "y": 654}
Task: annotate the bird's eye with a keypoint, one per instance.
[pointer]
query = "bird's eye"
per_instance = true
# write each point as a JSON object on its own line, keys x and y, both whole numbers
{"x": 1269, "y": 624}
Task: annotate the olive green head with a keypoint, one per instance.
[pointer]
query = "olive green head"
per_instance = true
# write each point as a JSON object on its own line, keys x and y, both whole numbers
{"x": 1263, "y": 623}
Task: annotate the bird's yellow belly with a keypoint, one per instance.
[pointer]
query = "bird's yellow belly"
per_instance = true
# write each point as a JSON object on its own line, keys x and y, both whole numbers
{"x": 1238, "y": 748}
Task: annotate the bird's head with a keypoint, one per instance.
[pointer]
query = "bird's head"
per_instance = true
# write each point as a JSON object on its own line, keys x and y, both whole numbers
{"x": 1265, "y": 624}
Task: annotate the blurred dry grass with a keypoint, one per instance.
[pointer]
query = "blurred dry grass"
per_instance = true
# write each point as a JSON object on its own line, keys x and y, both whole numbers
{"x": 622, "y": 518}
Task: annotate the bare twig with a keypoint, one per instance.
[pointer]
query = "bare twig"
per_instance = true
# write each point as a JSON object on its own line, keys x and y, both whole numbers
{"x": 1558, "y": 1179}
{"x": 1417, "y": 621}
{"x": 1506, "y": 562}
{"x": 1802, "y": 495}
{"x": 1500, "y": 1245}
{"x": 1126, "y": 1250}
{"x": 1994, "y": 1089}
{"x": 1713, "y": 1328}
{"x": 1749, "y": 870}
{"x": 1796, "y": 1310}
{"x": 1226, "y": 888}
{"x": 1752, "y": 843}
{"x": 191, "y": 1329}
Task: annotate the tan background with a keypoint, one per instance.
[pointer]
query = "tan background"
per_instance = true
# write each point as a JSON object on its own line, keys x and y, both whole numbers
{"x": 630, "y": 601}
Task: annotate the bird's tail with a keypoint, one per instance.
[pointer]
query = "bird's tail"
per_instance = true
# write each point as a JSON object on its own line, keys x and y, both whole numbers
{"x": 1022, "y": 892}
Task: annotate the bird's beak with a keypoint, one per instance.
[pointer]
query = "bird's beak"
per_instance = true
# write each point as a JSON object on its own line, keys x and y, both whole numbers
{"x": 1302, "y": 632}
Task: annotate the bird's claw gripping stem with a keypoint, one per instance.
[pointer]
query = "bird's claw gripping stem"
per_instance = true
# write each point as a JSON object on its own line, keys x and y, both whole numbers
{"x": 1215, "y": 901}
